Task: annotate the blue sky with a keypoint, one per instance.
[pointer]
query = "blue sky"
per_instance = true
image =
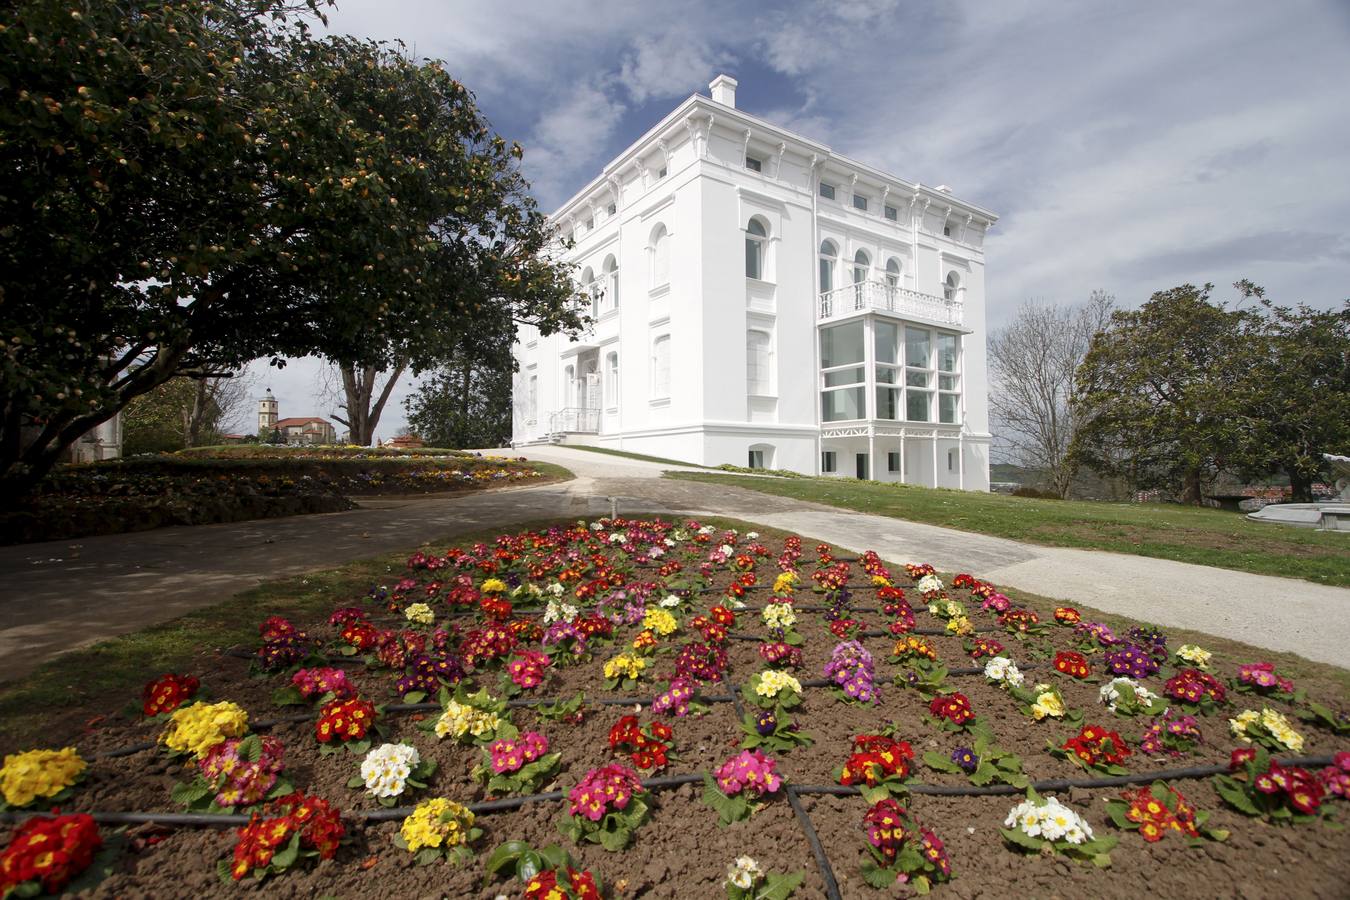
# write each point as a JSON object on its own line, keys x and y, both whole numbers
{"x": 1129, "y": 147}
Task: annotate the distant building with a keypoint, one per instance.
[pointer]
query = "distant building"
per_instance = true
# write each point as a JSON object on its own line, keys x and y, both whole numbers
{"x": 306, "y": 430}
{"x": 98, "y": 443}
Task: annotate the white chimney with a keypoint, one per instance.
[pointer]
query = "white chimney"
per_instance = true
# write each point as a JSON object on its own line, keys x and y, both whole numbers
{"x": 723, "y": 89}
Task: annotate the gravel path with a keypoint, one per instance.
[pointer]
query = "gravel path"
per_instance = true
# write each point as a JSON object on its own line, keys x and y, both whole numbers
{"x": 71, "y": 593}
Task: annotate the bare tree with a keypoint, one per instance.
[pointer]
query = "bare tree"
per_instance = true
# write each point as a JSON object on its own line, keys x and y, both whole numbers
{"x": 219, "y": 403}
{"x": 1033, "y": 363}
{"x": 362, "y": 398}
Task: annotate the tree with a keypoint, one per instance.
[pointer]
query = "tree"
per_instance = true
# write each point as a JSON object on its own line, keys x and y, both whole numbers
{"x": 1299, "y": 390}
{"x": 317, "y": 231}
{"x": 1034, "y": 363}
{"x": 466, "y": 402}
{"x": 1158, "y": 401}
{"x": 183, "y": 412}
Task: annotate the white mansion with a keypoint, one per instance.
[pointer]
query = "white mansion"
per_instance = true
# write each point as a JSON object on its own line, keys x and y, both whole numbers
{"x": 761, "y": 300}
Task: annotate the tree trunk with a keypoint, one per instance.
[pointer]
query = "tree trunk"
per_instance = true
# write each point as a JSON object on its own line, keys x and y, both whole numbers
{"x": 1190, "y": 490}
{"x": 1300, "y": 487}
{"x": 198, "y": 414}
{"x": 358, "y": 386}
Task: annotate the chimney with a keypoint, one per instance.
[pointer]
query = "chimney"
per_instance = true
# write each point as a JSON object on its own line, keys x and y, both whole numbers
{"x": 723, "y": 89}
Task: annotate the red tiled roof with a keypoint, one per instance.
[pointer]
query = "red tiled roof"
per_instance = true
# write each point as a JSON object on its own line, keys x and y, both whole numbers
{"x": 295, "y": 422}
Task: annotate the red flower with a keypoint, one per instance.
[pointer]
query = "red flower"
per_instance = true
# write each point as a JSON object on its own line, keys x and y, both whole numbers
{"x": 955, "y": 708}
{"x": 1072, "y": 664}
{"x": 344, "y": 720}
{"x": 50, "y": 850}
{"x": 168, "y": 692}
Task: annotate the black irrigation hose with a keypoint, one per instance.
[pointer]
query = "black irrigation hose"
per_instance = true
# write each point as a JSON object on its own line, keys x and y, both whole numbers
{"x": 367, "y": 815}
{"x": 809, "y": 829}
{"x": 1062, "y": 784}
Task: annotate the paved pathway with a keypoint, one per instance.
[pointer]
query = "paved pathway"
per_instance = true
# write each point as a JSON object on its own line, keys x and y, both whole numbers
{"x": 70, "y": 593}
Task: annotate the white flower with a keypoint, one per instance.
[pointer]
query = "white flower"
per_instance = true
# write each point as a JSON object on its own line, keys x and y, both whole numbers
{"x": 669, "y": 542}
{"x": 706, "y": 529}
{"x": 669, "y": 602}
{"x": 1002, "y": 669}
{"x": 752, "y": 535}
{"x": 617, "y": 539}
{"x": 743, "y": 872}
{"x": 1050, "y": 820}
{"x": 386, "y": 768}
{"x": 1113, "y": 690}
{"x": 726, "y": 550}
{"x": 779, "y": 615}
{"x": 929, "y": 584}
{"x": 596, "y": 526}
{"x": 555, "y": 589}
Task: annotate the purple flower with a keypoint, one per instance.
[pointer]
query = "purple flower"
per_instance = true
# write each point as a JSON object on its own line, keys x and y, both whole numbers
{"x": 966, "y": 759}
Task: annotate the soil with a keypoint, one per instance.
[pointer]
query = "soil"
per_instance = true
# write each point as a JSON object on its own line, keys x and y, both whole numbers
{"x": 681, "y": 852}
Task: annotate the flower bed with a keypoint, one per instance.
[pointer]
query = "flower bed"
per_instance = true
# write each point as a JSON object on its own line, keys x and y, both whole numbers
{"x": 422, "y": 713}
{"x": 142, "y": 493}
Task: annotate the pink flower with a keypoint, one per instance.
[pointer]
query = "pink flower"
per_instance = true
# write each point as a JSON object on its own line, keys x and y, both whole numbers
{"x": 749, "y": 771}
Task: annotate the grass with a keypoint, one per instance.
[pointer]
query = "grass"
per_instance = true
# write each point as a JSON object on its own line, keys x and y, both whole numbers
{"x": 1186, "y": 534}
{"x": 53, "y": 703}
{"x": 642, "y": 456}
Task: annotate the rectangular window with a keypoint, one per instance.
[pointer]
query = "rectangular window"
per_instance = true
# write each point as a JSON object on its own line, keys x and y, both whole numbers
{"x": 662, "y": 173}
{"x": 917, "y": 344}
{"x": 827, "y": 191}
{"x": 891, "y": 213}
{"x": 754, "y": 165}
{"x": 611, "y": 209}
{"x": 661, "y": 367}
{"x": 756, "y": 459}
{"x": 827, "y": 461}
{"x": 841, "y": 345}
{"x": 916, "y": 405}
{"x": 893, "y": 461}
{"x": 843, "y": 404}
{"x": 753, "y": 254}
{"x": 951, "y": 460}
{"x": 532, "y": 400}
{"x": 860, "y": 467}
{"x": 590, "y": 224}
{"x": 947, "y": 347}
{"x": 888, "y": 403}
{"x": 860, "y": 202}
{"x": 949, "y": 407}
{"x": 757, "y": 368}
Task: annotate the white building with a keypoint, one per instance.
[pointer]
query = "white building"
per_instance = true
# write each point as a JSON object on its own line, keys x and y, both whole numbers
{"x": 761, "y": 300}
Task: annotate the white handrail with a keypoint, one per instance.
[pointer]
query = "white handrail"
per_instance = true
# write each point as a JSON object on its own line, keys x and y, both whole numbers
{"x": 882, "y": 296}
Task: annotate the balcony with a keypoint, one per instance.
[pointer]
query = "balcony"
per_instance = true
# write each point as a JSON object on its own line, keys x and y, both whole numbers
{"x": 574, "y": 420}
{"x": 879, "y": 296}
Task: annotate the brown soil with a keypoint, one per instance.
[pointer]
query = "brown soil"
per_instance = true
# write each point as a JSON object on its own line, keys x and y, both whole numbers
{"x": 681, "y": 852}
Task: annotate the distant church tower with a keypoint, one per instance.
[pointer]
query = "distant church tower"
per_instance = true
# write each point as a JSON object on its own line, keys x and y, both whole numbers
{"x": 267, "y": 416}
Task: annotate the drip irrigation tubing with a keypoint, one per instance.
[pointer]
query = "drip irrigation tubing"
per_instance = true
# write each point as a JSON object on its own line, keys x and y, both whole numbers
{"x": 1062, "y": 784}
{"x": 818, "y": 851}
{"x": 667, "y": 781}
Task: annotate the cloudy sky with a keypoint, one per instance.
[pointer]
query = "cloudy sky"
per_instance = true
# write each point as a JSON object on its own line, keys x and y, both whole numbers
{"x": 1127, "y": 146}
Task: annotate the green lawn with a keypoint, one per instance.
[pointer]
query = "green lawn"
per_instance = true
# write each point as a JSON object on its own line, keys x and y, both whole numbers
{"x": 1187, "y": 534}
{"x": 642, "y": 456}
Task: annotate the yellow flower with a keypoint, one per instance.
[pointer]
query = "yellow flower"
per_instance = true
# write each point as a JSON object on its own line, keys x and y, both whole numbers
{"x": 493, "y": 586}
{"x": 419, "y": 614}
{"x": 659, "y": 621}
{"x": 1048, "y": 703}
{"x": 1194, "y": 655}
{"x": 38, "y": 773}
{"x": 460, "y": 719}
{"x": 960, "y": 625}
{"x": 437, "y": 822}
{"x": 197, "y": 728}
{"x": 785, "y": 582}
{"x": 773, "y": 681}
{"x": 625, "y": 665}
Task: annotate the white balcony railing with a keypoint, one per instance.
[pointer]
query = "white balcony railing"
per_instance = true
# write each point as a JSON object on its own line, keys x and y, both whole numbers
{"x": 879, "y": 296}
{"x": 574, "y": 419}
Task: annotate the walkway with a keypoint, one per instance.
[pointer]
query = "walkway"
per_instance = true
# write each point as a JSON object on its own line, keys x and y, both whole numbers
{"x": 67, "y": 594}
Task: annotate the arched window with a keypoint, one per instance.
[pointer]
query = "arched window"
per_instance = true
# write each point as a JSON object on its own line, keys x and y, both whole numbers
{"x": 760, "y": 456}
{"x": 660, "y": 252}
{"x": 612, "y": 380}
{"x": 828, "y": 254}
{"x": 758, "y": 363}
{"x": 588, "y": 288}
{"x": 951, "y": 286}
{"x": 532, "y": 400}
{"x": 862, "y": 264}
{"x": 611, "y": 279}
{"x": 893, "y": 273}
{"x": 570, "y": 386}
{"x": 756, "y": 237}
{"x": 661, "y": 367}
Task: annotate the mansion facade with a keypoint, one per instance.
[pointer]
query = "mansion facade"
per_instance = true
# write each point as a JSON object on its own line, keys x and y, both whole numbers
{"x": 758, "y": 299}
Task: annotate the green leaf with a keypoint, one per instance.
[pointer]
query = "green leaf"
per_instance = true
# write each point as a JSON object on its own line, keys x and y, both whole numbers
{"x": 1020, "y": 838}
{"x": 414, "y": 696}
{"x": 935, "y": 760}
{"x": 876, "y": 876}
{"x": 287, "y": 857}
